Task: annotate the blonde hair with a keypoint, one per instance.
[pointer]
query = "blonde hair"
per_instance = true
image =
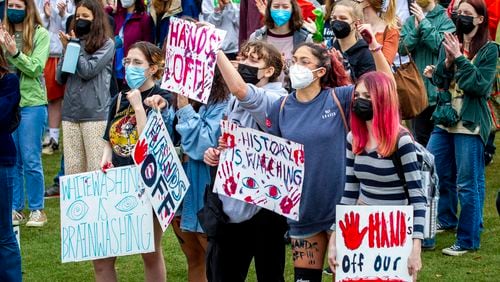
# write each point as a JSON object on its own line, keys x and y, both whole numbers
{"x": 30, "y": 23}
{"x": 356, "y": 11}
{"x": 389, "y": 15}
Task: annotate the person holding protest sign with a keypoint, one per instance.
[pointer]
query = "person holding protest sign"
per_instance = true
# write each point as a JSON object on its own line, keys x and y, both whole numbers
{"x": 126, "y": 120}
{"x": 10, "y": 95}
{"x": 199, "y": 129}
{"x": 316, "y": 116}
{"x": 371, "y": 174}
{"x": 26, "y": 45}
{"x": 251, "y": 232}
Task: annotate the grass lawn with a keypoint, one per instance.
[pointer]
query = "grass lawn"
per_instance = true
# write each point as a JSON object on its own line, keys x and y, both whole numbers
{"x": 40, "y": 248}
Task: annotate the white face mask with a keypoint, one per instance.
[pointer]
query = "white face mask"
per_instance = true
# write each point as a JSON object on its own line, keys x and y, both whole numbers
{"x": 127, "y": 3}
{"x": 301, "y": 77}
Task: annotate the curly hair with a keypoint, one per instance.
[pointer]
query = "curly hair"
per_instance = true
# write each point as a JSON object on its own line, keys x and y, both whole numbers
{"x": 153, "y": 54}
{"x": 267, "y": 52}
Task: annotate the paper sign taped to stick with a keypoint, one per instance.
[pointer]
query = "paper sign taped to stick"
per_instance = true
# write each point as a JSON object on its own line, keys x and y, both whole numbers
{"x": 105, "y": 215}
{"x": 261, "y": 169}
{"x": 374, "y": 243}
{"x": 190, "y": 58}
{"x": 160, "y": 169}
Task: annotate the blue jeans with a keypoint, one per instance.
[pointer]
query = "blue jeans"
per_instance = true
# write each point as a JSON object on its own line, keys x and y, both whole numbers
{"x": 28, "y": 171}
{"x": 460, "y": 167}
{"x": 10, "y": 257}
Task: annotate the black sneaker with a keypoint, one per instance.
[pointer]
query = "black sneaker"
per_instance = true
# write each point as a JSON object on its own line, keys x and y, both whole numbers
{"x": 49, "y": 148}
{"x": 52, "y": 191}
{"x": 327, "y": 271}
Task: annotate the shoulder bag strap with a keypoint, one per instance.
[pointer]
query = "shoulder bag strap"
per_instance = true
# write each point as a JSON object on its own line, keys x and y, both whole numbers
{"x": 341, "y": 109}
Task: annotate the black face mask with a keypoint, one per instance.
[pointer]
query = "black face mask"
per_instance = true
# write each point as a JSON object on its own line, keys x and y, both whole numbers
{"x": 341, "y": 29}
{"x": 465, "y": 24}
{"x": 249, "y": 73}
{"x": 363, "y": 109}
{"x": 82, "y": 27}
{"x": 454, "y": 17}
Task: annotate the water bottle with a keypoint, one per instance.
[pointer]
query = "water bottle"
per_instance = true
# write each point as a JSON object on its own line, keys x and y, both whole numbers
{"x": 71, "y": 56}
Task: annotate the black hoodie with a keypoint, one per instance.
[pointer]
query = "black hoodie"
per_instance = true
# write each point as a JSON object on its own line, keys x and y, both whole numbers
{"x": 357, "y": 59}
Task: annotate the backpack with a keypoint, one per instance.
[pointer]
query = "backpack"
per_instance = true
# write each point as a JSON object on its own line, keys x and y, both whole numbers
{"x": 430, "y": 183}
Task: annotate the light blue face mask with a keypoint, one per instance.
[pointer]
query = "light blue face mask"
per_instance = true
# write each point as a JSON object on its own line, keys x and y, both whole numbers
{"x": 280, "y": 17}
{"x": 135, "y": 76}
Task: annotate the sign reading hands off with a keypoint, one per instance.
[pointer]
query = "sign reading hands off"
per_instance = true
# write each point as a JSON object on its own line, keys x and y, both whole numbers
{"x": 105, "y": 215}
{"x": 190, "y": 58}
{"x": 373, "y": 243}
{"x": 261, "y": 169}
{"x": 160, "y": 169}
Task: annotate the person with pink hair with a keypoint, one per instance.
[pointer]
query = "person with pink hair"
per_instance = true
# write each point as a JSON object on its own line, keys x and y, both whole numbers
{"x": 371, "y": 175}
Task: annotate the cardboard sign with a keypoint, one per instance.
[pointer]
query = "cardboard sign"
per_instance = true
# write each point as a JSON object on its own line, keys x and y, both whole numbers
{"x": 160, "y": 169}
{"x": 190, "y": 58}
{"x": 261, "y": 169}
{"x": 374, "y": 243}
{"x": 104, "y": 215}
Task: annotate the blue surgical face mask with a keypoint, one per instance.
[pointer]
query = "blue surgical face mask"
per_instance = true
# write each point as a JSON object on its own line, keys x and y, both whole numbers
{"x": 135, "y": 76}
{"x": 280, "y": 17}
{"x": 16, "y": 16}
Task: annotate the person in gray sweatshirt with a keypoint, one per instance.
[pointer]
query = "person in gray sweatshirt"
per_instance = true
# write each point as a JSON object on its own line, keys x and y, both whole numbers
{"x": 225, "y": 15}
{"x": 251, "y": 232}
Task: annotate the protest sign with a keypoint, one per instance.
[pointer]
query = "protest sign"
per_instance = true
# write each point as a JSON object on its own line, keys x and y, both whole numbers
{"x": 160, "y": 169}
{"x": 373, "y": 243}
{"x": 104, "y": 215}
{"x": 190, "y": 58}
{"x": 261, "y": 169}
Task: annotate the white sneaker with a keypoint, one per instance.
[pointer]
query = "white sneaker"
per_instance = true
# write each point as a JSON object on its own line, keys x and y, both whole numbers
{"x": 17, "y": 217}
{"x": 37, "y": 218}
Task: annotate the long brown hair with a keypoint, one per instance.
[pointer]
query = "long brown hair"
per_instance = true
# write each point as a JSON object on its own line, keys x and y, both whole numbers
{"x": 295, "y": 23}
{"x": 482, "y": 33}
{"x": 30, "y": 23}
{"x": 153, "y": 54}
{"x": 100, "y": 30}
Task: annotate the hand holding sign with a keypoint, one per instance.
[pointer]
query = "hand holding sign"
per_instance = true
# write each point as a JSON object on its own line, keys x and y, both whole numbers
{"x": 350, "y": 230}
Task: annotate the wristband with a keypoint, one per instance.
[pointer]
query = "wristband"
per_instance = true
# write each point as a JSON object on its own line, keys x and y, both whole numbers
{"x": 376, "y": 49}
{"x": 17, "y": 54}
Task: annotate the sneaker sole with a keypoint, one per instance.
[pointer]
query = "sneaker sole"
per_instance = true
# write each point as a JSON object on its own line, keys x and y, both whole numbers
{"x": 35, "y": 224}
{"x": 454, "y": 253}
{"x": 16, "y": 222}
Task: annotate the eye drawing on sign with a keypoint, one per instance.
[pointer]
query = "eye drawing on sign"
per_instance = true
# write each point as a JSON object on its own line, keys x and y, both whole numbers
{"x": 250, "y": 183}
{"x": 127, "y": 204}
{"x": 230, "y": 183}
{"x": 77, "y": 210}
{"x": 350, "y": 231}
{"x": 149, "y": 171}
{"x": 273, "y": 192}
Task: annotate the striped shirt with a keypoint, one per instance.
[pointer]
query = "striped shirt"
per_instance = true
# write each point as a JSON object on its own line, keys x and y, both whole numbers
{"x": 373, "y": 180}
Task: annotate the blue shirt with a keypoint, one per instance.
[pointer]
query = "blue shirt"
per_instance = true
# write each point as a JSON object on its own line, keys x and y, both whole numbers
{"x": 318, "y": 125}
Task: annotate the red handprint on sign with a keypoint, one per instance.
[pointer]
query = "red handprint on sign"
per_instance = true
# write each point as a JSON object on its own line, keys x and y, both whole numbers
{"x": 350, "y": 231}
{"x": 140, "y": 151}
{"x": 288, "y": 202}
{"x": 227, "y": 173}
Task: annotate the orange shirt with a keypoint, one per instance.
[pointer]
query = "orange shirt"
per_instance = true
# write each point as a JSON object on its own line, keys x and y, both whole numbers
{"x": 389, "y": 44}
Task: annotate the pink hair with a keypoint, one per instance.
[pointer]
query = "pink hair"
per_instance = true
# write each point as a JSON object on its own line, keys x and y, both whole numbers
{"x": 386, "y": 118}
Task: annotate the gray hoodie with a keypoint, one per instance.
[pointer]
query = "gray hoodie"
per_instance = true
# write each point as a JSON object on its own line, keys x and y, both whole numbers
{"x": 227, "y": 19}
{"x": 250, "y": 112}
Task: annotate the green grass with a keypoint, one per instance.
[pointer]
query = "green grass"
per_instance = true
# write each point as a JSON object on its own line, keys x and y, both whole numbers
{"x": 40, "y": 248}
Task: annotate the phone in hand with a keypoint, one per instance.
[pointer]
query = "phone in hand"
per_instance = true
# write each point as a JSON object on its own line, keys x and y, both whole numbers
{"x": 409, "y": 5}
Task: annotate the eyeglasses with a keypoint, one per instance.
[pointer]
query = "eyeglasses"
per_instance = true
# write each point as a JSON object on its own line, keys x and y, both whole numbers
{"x": 127, "y": 62}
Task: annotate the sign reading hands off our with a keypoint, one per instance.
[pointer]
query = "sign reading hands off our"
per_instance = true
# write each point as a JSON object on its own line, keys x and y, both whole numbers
{"x": 190, "y": 58}
{"x": 373, "y": 243}
{"x": 261, "y": 169}
{"x": 161, "y": 170}
{"x": 105, "y": 215}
